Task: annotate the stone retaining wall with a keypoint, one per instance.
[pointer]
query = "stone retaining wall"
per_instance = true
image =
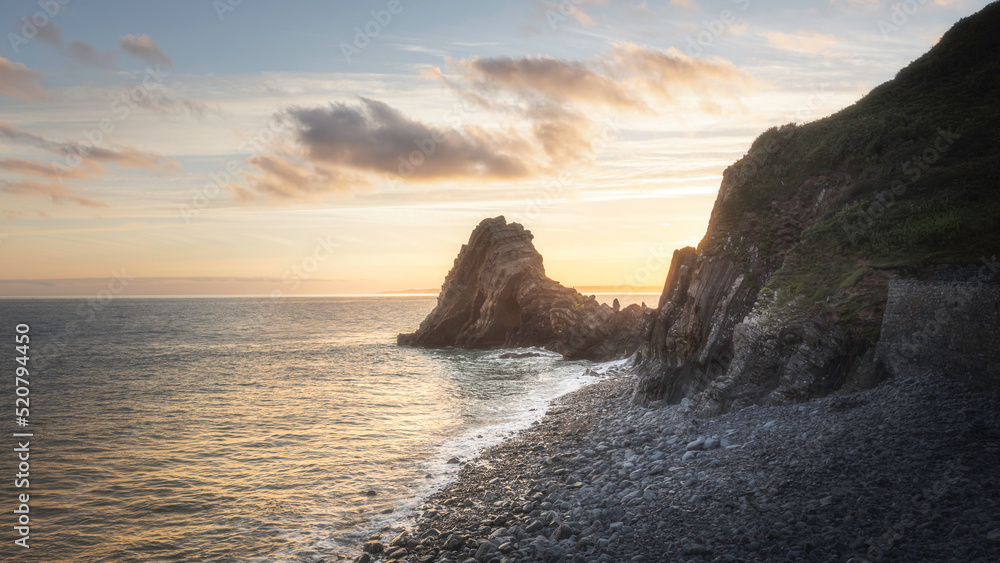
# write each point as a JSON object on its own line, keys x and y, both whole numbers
{"x": 951, "y": 328}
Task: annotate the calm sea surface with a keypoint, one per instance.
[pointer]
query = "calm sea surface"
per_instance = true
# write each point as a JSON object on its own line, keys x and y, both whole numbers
{"x": 243, "y": 429}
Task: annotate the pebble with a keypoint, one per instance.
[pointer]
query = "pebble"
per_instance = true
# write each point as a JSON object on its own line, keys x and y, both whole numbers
{"x": 373, "y": 546}
{"x": 903, "y": 471}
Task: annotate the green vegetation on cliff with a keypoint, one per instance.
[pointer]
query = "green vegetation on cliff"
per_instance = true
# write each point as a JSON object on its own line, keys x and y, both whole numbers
{"x": 903, "y": 180}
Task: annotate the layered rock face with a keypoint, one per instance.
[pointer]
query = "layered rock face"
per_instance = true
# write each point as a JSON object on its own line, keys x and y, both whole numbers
{"x": 690, "y": 338}
{"x": 498, "y": 296}
{"x": 783, "y": 300}
{"x": 721, "y": 340}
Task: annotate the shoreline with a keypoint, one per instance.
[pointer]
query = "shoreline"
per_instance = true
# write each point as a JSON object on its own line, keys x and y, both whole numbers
{"x": 435, "y": 473}
{"x": 906, "y": 470}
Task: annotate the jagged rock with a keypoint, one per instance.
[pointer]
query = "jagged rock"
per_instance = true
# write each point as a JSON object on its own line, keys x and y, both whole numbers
{"x": 783, "y": 300}
{"x": 718, "y": 340}
{"x": 497, "y": 296}
{"x": 781, "y": 356}
{"x": 690, "y": 340}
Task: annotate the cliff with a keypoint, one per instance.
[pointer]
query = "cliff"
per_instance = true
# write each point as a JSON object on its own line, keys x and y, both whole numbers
{"x": 498, "y": 296}
{"x": 783, "y": 299}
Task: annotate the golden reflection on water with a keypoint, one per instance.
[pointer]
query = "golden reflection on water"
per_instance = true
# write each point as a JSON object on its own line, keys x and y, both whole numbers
{"x": 200, "y": 430}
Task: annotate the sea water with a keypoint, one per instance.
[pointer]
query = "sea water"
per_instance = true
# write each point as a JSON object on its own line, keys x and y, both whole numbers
{"x": 244, "y": 429}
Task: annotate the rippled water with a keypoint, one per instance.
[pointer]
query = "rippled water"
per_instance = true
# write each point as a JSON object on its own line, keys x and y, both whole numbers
{"x": 244, "y": 429}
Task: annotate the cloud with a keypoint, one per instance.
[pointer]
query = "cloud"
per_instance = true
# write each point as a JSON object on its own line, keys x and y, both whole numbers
{"x": 50, "y": 170}
{"x": 144, "y": 49}
{"x": 287, "y": 178}
{"x": 165, "y": 103}
{"x": 375, "y": 137}
{"x": 372, "y": 136}
{"x": 18, "y": 81}
{"x": 670, "y": 73}
{"x": 554, "y": 79}
{"x": 628, "y": 77}
{"x": 131, "y": 157}
{"x": 686, "y": 4}
{"x": 737, "y": 29}
{"x": 340, "y": 148}
{"x": 567, "y": 96}
{"x": 12, "y": 215}
{"x": 801, "y": 41}
{"x": 554, "y": 113}
{"x": 564, "y": 134}
{"x": 57, "y": 192}
{"x": 563, "y": 100}
{"x": 80, "y": 162}
{"x": 556, "y": 12}
{"x": 126, "y": 157}
{"x": 88, "y": 55}
{"x": 50, "y": 33}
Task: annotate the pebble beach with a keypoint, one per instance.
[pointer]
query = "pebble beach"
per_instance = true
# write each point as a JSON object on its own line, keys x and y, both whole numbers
{"x": 907, "y": 471}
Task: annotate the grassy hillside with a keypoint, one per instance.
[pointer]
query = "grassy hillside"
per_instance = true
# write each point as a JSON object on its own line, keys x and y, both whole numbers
{"x": 914, "y": 173}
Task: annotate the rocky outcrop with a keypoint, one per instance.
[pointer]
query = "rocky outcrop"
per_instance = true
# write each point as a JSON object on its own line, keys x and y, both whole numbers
{"x": 497, "y": 296}
{"x": 782, "y": 356}
{"x": 722, "y": 339}
{"x": 690, "y": 338}
{"x": 783, "y": 299}
{"x": 705, "y": 342}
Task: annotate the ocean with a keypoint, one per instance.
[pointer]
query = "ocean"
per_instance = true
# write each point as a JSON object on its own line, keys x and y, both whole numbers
{"x": 244, "y": 429}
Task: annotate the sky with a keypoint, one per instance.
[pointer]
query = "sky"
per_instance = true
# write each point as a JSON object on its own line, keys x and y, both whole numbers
{"x": 219, "y": 147}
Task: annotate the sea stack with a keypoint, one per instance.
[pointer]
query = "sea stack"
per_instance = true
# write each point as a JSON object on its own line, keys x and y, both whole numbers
{"x": 498, "y": 296}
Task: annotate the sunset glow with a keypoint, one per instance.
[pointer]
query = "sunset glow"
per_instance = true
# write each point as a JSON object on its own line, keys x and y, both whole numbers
{"x": 313, "y": 148}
